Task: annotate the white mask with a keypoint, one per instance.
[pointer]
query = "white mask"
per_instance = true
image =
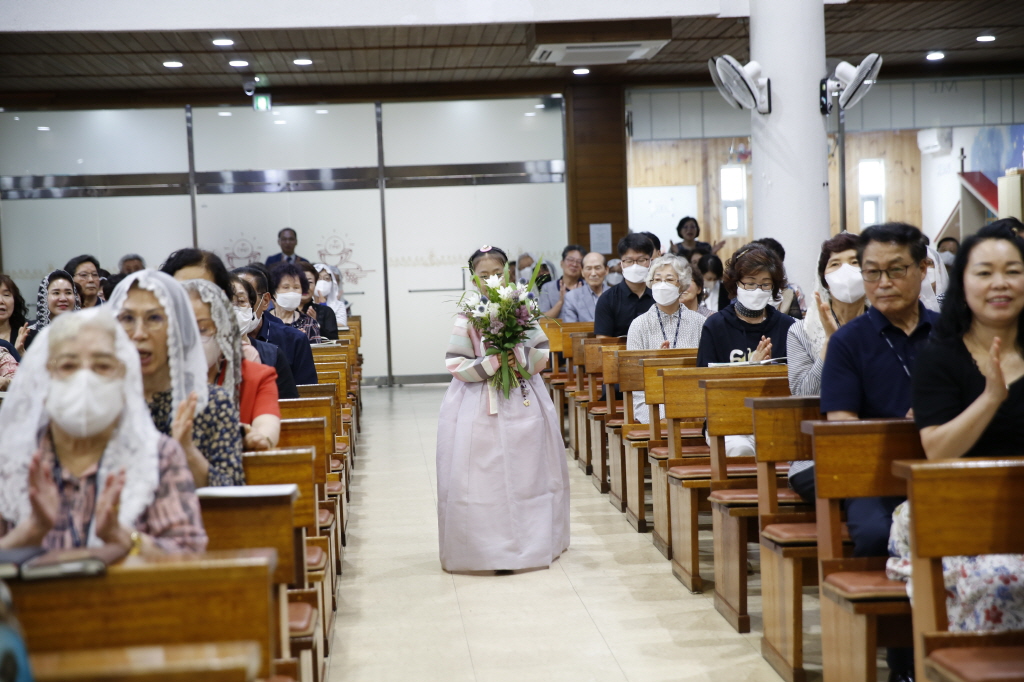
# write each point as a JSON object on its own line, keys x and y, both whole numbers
{"x": 246, "y": 320}
{"x": 322, "y": 288}
{"x": 846, "y": 284}
{"x": 635, "y": 273}
{"x": 665, "y": 293}
{"x": 755, "y": 300}
{"x": 613, "y": 278}
{"x": 288, "y": 300}
{"x": 212, "y": 350}
{"x": 947, "y": 258}
{"x": 930, "y": 276}
{"x": 85, "y": 403}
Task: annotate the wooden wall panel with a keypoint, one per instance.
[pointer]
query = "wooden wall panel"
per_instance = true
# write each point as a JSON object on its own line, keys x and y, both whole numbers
{"x": 898, "y": 148}
{"x": 596, "y": 160}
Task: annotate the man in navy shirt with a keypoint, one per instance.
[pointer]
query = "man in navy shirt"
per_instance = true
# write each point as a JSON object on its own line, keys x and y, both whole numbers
{"x": 868, "y": 368}
{"x": 630, "y": 298}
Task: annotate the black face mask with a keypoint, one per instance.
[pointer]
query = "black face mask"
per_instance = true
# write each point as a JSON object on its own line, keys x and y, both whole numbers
{"x": 543, "y": 279}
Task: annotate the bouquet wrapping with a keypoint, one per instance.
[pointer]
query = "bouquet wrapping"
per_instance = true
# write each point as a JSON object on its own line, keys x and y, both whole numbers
{"x": 504, "y": 314}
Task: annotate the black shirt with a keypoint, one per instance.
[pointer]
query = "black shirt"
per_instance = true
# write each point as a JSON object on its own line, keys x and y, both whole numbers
{"x": 727, "y": 338}
{"x": 617, "y": 308}
{"x": 947, "y": 381}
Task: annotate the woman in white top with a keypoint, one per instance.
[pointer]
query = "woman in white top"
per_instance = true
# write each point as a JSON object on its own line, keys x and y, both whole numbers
{"x": 667, "y": 324}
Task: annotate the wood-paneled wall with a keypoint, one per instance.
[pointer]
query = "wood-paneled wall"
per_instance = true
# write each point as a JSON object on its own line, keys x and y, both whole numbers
{"x": 902, "y": 157}
{"x": 668, "y": 163}
{"x": 596, "y": 160}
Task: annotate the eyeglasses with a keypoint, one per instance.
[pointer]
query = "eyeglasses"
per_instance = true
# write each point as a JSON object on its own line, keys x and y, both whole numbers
{"x": 750, "y": 286}
{"x": 87, "y": 275}
{"x": 626, "y": 262}
{"x": 895, "y": 272}
{"x": 152, "y": 322}
{"x": 573, "y": 261}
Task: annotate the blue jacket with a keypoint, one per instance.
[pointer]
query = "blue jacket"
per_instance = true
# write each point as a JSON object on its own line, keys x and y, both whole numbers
{"x": 295, "y": 346}
{"x": 278, "y": 257}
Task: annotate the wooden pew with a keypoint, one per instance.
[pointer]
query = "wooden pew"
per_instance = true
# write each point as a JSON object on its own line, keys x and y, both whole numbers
{"x": 860, "y": 608}
{"x": 576, "y": 391}
{"x": 789, "y": 539}
{"x": 599, "y": 411}
{"x": 213, "y": 662}
{"x": 586, "y": 398}
{"x": 690, "y": 477}
{"x": 961, "y": 508}
{"x": 155, "y": 601}
{"x": 559, "y": 378}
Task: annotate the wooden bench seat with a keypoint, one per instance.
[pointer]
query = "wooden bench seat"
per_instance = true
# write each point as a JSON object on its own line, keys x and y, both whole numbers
{"x": 977, "y": 664}
{"x": 211, "y": 662}
{"x": 599, "y": 410}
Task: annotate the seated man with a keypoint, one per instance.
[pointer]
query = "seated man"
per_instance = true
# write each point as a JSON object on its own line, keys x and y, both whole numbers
{"x": 627, "y": 300}
{"x": 552, "y": 294}
{"x": 867, "y": 372}
{"x": 580, "y": 302}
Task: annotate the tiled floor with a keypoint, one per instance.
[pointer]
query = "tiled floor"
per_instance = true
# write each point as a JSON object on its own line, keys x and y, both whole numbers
{"x": 608, "y": 609}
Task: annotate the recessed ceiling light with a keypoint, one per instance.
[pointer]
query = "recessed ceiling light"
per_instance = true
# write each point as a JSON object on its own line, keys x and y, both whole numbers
{"x": 302, "y": 62}
{"x": 223, "y": 42}
{"x": 581, "y": 72}
{"x": 556, "y": 95}
{"x": 43, "y": 128}
{"x": 530, "y": 113}
{"x": 538, "y": 106}
{"x": 223, "y": 113}
{"x": 985, "y": 39}
{"x": 257, "y": 79}
{"x": 322, "y": 111}
{"x": 238, "y": 63}
{"x": 935, "y": 56}
{"x": 277, "y": 113}
{"x": 173, "y": 65}
{"x": 280, "y": 123}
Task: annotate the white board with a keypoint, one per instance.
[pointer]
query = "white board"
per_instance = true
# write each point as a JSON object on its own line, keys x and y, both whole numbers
{"x": 659, "y": 210}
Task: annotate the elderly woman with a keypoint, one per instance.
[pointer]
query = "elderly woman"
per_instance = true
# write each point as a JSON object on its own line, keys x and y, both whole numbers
{"x": 157, "y": 314}
{"x": 86, "y": 271}
{"x": 316, "y": 305}
{"x": 968, "y": 401}
{"x": 839, "y": 298}
{"x": 288, "y": 285}
{"x": 668, "y": 324}
{"x": 330, "y": 292}
{"x": 57, "y": 295}
{"x": 81, "y": 463}
{"x": 253, "y": 385}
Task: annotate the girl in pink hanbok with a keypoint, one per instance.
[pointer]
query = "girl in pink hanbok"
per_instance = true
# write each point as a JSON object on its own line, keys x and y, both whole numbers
{"x": 502, "y": 478}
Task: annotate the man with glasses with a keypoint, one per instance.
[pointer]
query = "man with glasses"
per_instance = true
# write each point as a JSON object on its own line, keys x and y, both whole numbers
{"x": 621, "y": 304}
{"x": 867, "y": 372}
{"x": 581, "y": 302}
{"x": 552, "y": 294}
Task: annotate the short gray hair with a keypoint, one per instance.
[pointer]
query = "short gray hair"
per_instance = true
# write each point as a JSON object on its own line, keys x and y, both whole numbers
{"x": 130, "y": 256}
{"x": 679, "y": 265}
{"x": 68, "y": 326}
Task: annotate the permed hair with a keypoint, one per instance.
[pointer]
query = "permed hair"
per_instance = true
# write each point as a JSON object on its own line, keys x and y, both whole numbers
{"x": 680, "y": 266}
{"x": 751, "y": 259}
{"x": 844, "y": 241}
{"x": 282, "y": 270}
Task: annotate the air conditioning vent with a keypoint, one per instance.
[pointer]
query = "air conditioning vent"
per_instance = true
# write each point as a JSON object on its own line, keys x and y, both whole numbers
{"x": 590, "y": 54}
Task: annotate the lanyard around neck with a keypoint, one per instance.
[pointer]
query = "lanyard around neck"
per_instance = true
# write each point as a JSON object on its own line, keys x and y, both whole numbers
{"x": 898, "y": 356}
{"x": 679, "y": 321}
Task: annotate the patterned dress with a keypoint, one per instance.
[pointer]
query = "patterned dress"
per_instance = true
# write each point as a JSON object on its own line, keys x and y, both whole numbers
{"x": 502, "y": 479}
{"x": 216, "y": 433}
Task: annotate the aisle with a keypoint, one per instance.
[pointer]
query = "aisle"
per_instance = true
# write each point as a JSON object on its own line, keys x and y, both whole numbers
{"x": 608, "y": 609}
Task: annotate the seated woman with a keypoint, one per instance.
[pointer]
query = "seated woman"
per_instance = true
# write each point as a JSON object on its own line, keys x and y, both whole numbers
{"x": 748, "y": 330}
{"x": 157, "y": 314}
{"x": 667, "y": 324}
{"x": 86, "y": 272}
{"x": 246, "y": 304}
{"x": 80, "y": 460}
{"x": 839, "y": 298}
{"x": 57, "y": 295}
{"x": 13, "y": 312}
{"x": 969, "y": 402}
{"x": 716, "y": 297}
{"x": 254, "y": 386}
{"x": 334, "y": 298}
{"x": 288, "y": 285}
{"x": 693, "y": 298}
{"x": 313, "y": 303}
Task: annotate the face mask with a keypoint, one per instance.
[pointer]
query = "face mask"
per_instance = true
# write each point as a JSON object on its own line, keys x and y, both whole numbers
{"x": 947, "y": 258}
{"x": 613, "y": 278}
{"x": 212, "y": 350}
{"x": 322, "y": 288}
{"x": 635, "y": 273}
{"x": 85, "y": 403}
{"x": 664, "y": 293}
{"x": 288, "y": 300}
{"x": 246, "y": 320}
{"x": 930, "y": 276}
{"x": 753, "y": 300}
{"x": 846, "y": 284}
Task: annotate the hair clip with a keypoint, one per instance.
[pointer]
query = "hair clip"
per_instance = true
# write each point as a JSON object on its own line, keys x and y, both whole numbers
{"x": 485, "y": 248}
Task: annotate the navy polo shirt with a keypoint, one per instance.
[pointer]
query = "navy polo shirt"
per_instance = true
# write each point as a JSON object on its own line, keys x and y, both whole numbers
{"x": 295, "y": 346}
{"x": 617, "y": 308}
{"x": 869, "y": 365}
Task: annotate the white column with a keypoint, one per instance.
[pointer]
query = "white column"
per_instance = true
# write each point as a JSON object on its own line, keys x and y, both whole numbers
{"x": 790, "y": 145}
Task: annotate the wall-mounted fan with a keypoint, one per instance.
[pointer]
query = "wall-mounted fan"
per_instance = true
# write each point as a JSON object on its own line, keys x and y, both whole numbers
{"x": 741, "y": 86}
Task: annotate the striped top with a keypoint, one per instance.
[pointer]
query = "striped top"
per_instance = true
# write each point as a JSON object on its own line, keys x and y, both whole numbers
{"x": 466, "y": 358}
{"x": 804, "y": 375}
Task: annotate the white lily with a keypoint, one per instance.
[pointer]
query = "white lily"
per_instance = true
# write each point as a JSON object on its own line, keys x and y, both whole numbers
{"x": 494, "y": 281}
{"x": 471, "y": 298}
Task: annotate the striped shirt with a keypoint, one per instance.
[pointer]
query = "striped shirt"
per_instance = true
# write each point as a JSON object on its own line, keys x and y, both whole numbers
{"x": 647, "y": 332}
{"x": 804, "y": 365}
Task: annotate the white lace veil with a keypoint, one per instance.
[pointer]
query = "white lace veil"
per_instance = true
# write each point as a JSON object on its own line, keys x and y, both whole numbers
{"x": 932, "y": 299}
{"x": 334, "y": 301}
{"x": 43, "y": 296}
{"x": 228, "y": 335}
{"x": 813, "y": 328}
{"x": 133, "y": 447}
{"x": 184, "y": 346}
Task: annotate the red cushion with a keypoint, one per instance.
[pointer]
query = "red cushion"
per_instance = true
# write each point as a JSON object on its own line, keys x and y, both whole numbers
{"x": 325, "y": 517}
{"x": 615, "y": 422}
{"x": 316, "y": 558}
{"x": 301, "y": 619}
{"x": 796, "y": 533}
{"x": 691, "y": 471}
{"x": 748, "y": 496}
{"x": 336, "y": 464}
{"x": 334, "y": 487}
{"x": 685, "y": 451}
{"x": 981, "y": 664}
{"x": 866, "y": 585}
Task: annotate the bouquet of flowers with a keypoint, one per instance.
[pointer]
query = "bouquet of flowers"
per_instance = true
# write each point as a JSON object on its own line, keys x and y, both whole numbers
{"x": 503, "y": 314}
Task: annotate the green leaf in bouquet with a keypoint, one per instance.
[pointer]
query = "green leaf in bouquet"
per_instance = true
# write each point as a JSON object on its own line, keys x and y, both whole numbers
{"x": 506, "y": 377}
{"x": 492, "y": 351}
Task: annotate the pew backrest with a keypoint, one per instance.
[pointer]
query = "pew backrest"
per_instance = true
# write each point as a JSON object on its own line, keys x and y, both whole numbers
{"x": 631, "y": 372}
{"x": 287, "y": 466}
{"x": 654, "y": 384}
{"x": 684, "y": 397}
{"x": 726, "y": 411}
{"x": 314, "y": 433}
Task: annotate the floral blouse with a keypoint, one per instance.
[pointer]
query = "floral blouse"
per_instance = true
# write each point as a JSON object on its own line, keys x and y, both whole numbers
{"x": 172, "y": 520}
{"x": 216, "y": 433}
{"x": 983, "y": 593}
{"x": 307, "y": 325}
